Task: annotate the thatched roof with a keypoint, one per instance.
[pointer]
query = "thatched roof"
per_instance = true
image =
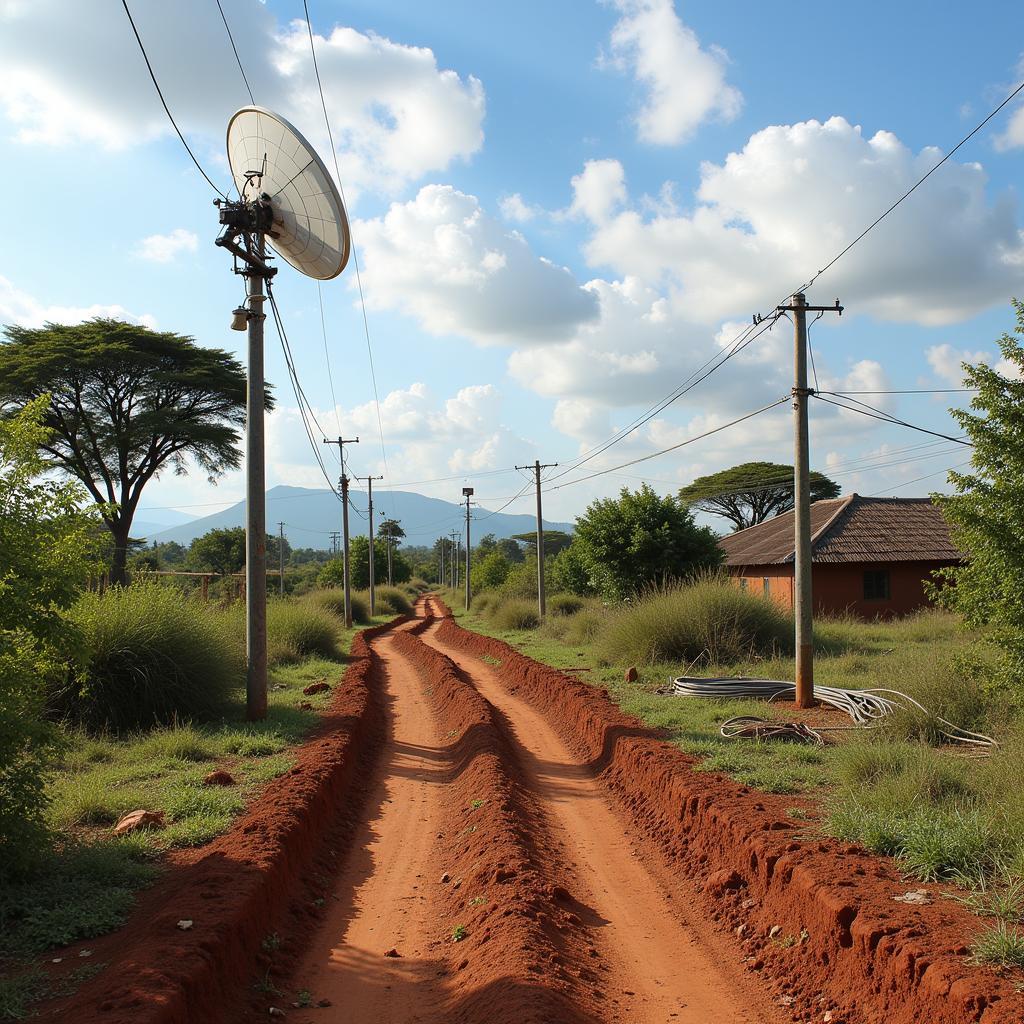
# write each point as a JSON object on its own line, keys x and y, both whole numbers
{"x": 851, "y": 529}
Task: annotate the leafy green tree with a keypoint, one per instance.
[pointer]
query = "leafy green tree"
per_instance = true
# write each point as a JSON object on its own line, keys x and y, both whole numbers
{"x": 752, "y": 492}
{"x": 639, "y": 539}
{"x": 46, "y": 556}
{"x": 359, "y": 572}
{"x": 986, "y": 514}
{"x": 567, "y": 572}
{"x": 221, "y": 550}
{"x": 125, "y": 403}
{"x": 332, "y": 574}
{"x": 490, "y": 572}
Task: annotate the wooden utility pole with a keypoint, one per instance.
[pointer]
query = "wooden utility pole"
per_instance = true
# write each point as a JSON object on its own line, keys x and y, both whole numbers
{"x": 803, "y": 607}
{"x": 467, "y": 493}
{"x": 440, "y": 574}
{"x": 369, "y": 487}
{"x": 345, "y": 570}
{"x": 541, "y": 603}
{"x": 334, "y": 542}
{"x": 280, "y": 552}
{"x": 453, "y": 569}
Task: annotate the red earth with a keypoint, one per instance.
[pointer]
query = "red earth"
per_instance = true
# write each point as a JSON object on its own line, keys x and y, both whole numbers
{"x": 475, "y": 837}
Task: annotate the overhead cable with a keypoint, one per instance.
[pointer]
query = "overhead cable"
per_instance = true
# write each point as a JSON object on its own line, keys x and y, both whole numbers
{"x": 167, "y": 109}
{"x": 878, "y": 414}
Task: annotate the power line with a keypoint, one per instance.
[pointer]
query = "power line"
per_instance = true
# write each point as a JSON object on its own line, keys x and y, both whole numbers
{"x": 927, "y": 476}
{"x": 674, "y": 447}
{"x": 920, "y": 181}
{"x": 355, "y": 254}
{"x": 911, "y": 391}
{"x": 167, "y": 109}
{"x": 327, "y": 356}
{"x": 877, "y": 414}
{"x": 238, "y": 60}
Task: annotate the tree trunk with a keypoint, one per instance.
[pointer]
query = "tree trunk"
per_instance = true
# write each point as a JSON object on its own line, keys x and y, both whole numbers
{"x": 118, "y": 570}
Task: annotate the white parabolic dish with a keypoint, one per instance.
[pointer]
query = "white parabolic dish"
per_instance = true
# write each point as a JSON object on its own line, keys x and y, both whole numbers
{"x": 310, "y": 227}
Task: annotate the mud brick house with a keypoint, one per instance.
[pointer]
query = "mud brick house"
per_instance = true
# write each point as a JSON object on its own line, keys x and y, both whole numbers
{"x": 870, "y": 556}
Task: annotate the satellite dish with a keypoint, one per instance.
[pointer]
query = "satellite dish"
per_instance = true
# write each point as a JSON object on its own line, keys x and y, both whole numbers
{"x": 270, "y": 160}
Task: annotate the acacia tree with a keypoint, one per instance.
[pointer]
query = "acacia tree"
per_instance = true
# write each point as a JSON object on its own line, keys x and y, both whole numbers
{"x": 125, "y": 403}
{"x": 986, "y": 514}
{"x": 752, "y": 492}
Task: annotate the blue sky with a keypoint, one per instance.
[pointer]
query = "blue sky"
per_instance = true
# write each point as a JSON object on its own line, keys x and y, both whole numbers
{"x": 560, "y": 210}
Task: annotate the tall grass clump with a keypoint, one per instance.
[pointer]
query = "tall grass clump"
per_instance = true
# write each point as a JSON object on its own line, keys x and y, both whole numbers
{"x": 330, "y": 599}
{"x": 565, "y": 604}
{"x": 483, "y": 602}
{"x": 150, "y": 657}
{"x": 709, "y": 616}
{"x": 297, "y": 629}
{"x": 395, "y": 599}
{"x": 515, "y": 614}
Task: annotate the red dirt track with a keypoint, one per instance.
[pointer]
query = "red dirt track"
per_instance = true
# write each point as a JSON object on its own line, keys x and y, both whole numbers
{"x": 532, "y": 856}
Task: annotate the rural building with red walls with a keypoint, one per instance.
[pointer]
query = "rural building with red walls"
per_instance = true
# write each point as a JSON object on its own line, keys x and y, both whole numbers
{"x": 870, "y": 556}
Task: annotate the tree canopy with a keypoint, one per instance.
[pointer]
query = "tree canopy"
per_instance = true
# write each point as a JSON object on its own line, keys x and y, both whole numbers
{"x": 752, "y": 492}
{"x": 125, "y": 402}
{"x": 640, "y": 539}
{"x": 986, "y": 514}
{"x": 554, "y": 541}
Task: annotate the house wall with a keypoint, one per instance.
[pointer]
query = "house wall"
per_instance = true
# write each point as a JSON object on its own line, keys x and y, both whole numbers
{"x": 839, "y": 587}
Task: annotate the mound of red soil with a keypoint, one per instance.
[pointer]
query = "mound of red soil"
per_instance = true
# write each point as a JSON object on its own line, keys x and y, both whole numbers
{"x": 237, "y": 889}
{"x": 521, "y": 929}
{"x": 817, "y": 918}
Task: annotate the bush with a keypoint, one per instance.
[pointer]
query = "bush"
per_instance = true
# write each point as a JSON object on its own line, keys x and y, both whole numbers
{"x": 420, "y": 584}
{"x": 44, "y": 561}
{"x": 583, "y": 628}
{"x": 515, "y": 614}
{"x": 151, "y": 658}
{"x": 482, "y": 602}
{"x": 332, "y": 599}
{"x": 296, "y": 629}
{"x": 710, "y": 617}
{"x": 395, "y": 599}
{"x": 565, "y": 604}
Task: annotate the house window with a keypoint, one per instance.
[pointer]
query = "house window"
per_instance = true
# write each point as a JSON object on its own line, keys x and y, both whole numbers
{"x": 766, "y": 584}
{"x": 876, "y": 585}
{"x": 743, "y": 583}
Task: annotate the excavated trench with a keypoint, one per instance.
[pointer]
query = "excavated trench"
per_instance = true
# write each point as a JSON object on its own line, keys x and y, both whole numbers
{"x": 475, "y": 837}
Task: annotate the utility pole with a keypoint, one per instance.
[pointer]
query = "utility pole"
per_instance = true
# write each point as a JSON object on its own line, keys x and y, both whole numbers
{"x": 255, "y": 495}
{"x": 334, "y": 542}
{"x": 467, "y": 493}
{"x": 369, "y": 487}
{"x": 802, "y": 601}
{"x": 345, "y": 573}
{"x": 440, "y": 574}
{"x": 280, "y": 552}
{"x": 453, "y": 569}
{"x": 537, "y": 467}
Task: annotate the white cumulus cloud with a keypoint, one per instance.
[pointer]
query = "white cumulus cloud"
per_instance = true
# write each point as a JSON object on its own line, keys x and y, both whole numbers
{"x": 396, "y": 115}
{"x": 166, "y": 248}
{"x": 25, "y": 310}
{"x": 442, "y": 259}
{"x": 685, "y": 84}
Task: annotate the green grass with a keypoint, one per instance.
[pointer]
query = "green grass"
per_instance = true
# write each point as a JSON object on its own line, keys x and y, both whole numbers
{"x": 1000, "y": 945}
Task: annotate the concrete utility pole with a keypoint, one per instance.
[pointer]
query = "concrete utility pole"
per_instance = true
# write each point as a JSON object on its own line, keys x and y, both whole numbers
{"x": 280, "y": 552}
{"x": 255, "y": 498}
{"x": 334, "y": 542}
{"x": 803, "y": 606}
{"x": 537, "y": 467}
{"x": 345, "y": 572}
{"x": 369, "y": 487}
{"x": 467, "y": 493}
{"x": 440, "y": 574}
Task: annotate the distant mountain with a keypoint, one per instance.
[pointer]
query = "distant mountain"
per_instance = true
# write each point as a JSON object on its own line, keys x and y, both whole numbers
{"x": 310, "y": 515}
{"x": 150, "y": 521}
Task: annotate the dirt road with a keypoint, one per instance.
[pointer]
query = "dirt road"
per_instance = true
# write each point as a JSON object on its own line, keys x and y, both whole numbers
{"x": 610, "y": 937}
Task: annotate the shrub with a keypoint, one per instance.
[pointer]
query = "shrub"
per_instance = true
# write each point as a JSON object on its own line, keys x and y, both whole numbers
{"x": 151, "y": 658}
{"x": 708, "y": 616}
{"x": 44, "y": 561}
{"x": 515, "y": 615}
{"x": 421, "y": 585}
{"x": 395, "y": 599}
{"x": 361, "y": 608}
{"x": 586, "y": 626}
{"x": 565, "y": 604}
{"x": 331, "y": 599}
{"x": 303, "y": 628}
{"x": 482, "y": 602}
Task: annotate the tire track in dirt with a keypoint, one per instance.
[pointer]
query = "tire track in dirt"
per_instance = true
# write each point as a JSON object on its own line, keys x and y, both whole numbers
{"x": 378, "y": 903}
{"x": 660, "y": 970}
